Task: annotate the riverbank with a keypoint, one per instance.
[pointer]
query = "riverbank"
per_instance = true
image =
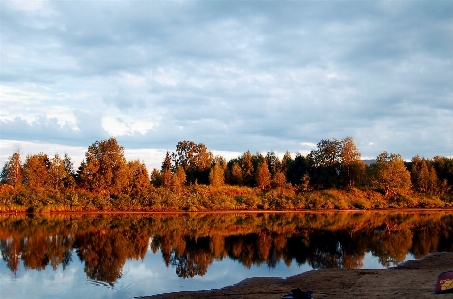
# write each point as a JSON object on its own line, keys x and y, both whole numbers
{"x": 201, "y": 198}
{"x": 413, "y": 279}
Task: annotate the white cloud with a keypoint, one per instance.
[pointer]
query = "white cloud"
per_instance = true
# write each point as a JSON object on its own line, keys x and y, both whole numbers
{"x": 119, "y": 126}
{"x": 308, "y": 145}
{"x": 7, "y": 147}
{"x": 152, "y": 158}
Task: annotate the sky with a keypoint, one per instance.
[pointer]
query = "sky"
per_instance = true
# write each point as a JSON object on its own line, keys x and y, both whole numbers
{"x": 235, "y": 75}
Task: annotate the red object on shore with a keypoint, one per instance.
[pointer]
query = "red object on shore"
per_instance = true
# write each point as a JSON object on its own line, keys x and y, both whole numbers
{"x": 444, "y": 283}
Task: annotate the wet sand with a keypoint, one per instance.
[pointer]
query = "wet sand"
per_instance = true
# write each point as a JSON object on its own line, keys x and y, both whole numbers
{"x": 413, "y": 279}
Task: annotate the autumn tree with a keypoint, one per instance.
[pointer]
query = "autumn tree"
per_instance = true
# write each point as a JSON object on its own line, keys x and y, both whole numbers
{"x": 305, "y": 183}
{"x": 178, "y": 179}
{"x": 104, "y": 168}
{"x": 36, "y": 170}
{"x": 423, "y": 176}
{"x": 195, "y": 159}
{"x": 263, "y": 176}
{"x": 60, "y": 176}
{"x": 327, "y": 154}
{"x": 181, "y": 175}
{"x": 138, "y": 179}
{"x": 166, "y": 178}
{"x": 279, "y": 179}
{"x": 352, "y": 168}
{"x": 220, "y": 161}
{"x": 217, "y": 175}
{"x": 390, "y": 174}
{"x": 12, "y": 170}
{"x": 336, "y": 164}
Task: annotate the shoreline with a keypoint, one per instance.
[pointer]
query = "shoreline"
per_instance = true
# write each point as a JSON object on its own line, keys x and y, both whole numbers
{"x": 319, "y": 211}
{"x": 411, "y": 279}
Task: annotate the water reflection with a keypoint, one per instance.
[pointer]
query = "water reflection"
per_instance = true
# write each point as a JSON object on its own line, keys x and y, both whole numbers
{"x": 190, "y": 243}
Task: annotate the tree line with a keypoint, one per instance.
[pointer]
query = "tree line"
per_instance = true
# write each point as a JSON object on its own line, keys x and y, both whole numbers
{"x": 334, "y": 164}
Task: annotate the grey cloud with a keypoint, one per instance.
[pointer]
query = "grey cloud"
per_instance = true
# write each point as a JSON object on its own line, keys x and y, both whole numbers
{"x": 124, "y": 99}
{"x": 39, "y": 130}
{"x": 90, "y": 125}
{"x": 49, "y": 130}
{"x": 255, "y": 75}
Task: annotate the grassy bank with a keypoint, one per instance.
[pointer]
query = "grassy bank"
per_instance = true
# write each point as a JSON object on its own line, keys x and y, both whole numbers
{"x": 207, "y": 198}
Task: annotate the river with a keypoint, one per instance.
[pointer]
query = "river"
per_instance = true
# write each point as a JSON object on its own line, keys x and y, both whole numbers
{"x": 129, "y": 255}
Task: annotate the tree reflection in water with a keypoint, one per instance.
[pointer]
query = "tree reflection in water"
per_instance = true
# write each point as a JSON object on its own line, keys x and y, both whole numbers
{"x": 192, "y": 242}
{"x": 105, "y": 252}
{"x": 193, "y": 258}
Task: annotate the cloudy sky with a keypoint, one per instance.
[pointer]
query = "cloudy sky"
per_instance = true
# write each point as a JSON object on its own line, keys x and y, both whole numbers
{"x": 234, "y": 75}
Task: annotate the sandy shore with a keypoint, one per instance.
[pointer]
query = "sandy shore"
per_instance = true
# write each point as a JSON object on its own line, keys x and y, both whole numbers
{"x": 413, "y": 279}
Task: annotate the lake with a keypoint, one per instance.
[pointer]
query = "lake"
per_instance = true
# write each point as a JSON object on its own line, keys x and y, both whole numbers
{"x": 129, "y": 255}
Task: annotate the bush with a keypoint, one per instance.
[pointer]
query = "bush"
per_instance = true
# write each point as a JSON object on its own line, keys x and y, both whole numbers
{"x": 201, "y": 198}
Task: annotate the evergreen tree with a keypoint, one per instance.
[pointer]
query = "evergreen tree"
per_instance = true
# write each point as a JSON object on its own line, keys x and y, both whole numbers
{"x": 247, "y": 169}
{"x": 297, "y": 169}
{"x": 273, "y": 162}
{"x": 166, "y": 164}
{"x": 166, "y": 178}
{"x": 444, "y": 170}
{"x": 236, "y": 175}
{"x": 257, "y": 159}
{"x": 69, "y": 180}
{"x": 156, "y": 178}
{"x": 423, "y": 176}
{"x": 166, "y": 172}
{"x": 286, "y": 163}
{"x": 12, "y": 170}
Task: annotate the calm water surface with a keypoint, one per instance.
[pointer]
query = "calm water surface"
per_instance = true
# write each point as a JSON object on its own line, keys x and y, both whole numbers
{"x": 123, "y": 256}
